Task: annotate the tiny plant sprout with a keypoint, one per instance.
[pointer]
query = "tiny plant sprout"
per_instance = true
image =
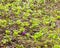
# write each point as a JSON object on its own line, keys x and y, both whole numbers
{"x": 18, "y": 22}
{"x": 7, "y": 32}
{"x": 15, "y": 33}
{"x": 26, "y": 15}
{"x": 19, "y": 46}
{"x": 53, "y": 25}
{"x": 37, "y": 35}
{"x": 58, "y": 17}
{"x": 26, "y": 24}
{"x": 21, "y": 29}
{"x": 4, "y": 41}
{"x": 3, "y": 23}
{"x": 28, "y": 35}
{"x": 56, "y": 46}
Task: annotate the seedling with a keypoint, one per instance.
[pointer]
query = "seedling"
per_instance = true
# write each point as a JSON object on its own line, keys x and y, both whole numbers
{"x": 3, "y": 23}
{"x": 19, "y": 46}
{"x": 53, "y": 36}
{"x": 21, "y": 29}
{"x": 18, "y": 22}
{"x": 7, "y": 32}
{"x": 53, "y": 25}
{"x": 37, "y": 35}
{"x": 26, "y": 24}
{"x": 15, "y": 33}
{"x": 26, "y": 15}
{"x": 6, "y": 39}
{"x": 56, "y": 46}
{"x": 35, "y": 23}
{"x": 58, "y": 17}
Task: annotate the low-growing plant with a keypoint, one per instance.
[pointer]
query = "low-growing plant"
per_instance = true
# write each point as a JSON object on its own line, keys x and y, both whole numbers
{"x": 28, "y": 35}
{"x": 40, "y": 1}
{"x": 7, "y": 32}
{"x": 26, "y": 15}
{"x": 10, "y": 22}
{"x": 35, "y": 23}
{"x": 56, "y": 46}
{"x": 37, "y": 35}
{"x": 53, "y": 25}
{"x": 3, "y": 23}
{"x": 48, "y": 19}
{"x": 15, "y": 33}
{"x": 19, "y": 46}
{"x": 22, "y": 29}
{"x": 6, "y": 39}
{"x": 18, "y": 22}
{"x": 58, "y": 17}
{"x": 26, "y": 24}
{"x": 29, "y": 11}
{"x": 53, "y": 36}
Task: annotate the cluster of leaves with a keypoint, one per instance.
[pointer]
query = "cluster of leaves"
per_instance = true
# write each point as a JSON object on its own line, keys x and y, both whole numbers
{"x": 3, "y": 23}
{"x": 30, "y": 17}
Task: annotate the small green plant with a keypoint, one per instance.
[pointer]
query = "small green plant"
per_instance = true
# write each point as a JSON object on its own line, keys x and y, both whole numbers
{"x": 26, "y": 24}
{"x": 48, "y": 19}
{"x": 28, "y": 35}
{"x": 37, "y": 35}
{"x": 31, "y": 1}
{"x": 7, "y": 32}
{"x": 53, "y": 36}
{"x": 29, "y": 11}
{"x": 19, "y": 46}
{"x": 6, "y": 39}
{"x": 3, "y": 23}
{"x": 35, "y": 23}
{"x": 21, "y": 29}
{"x": 26, "y": 15}
{"x": 53, "y": 25}
{"x": 15, "y": 33}
{"x": 18, "y": 22}
{"x": 56, "y": 46}
{"x": 40, "y": 1}
{"x": 10, "y": 22}
{"x": 58, "y": 17}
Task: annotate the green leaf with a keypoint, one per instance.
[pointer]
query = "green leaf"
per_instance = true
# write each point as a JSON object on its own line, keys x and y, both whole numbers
{"x": 15, "y": 33}
{"x": 7, "y": 32}
{"x": 56, "y": 46}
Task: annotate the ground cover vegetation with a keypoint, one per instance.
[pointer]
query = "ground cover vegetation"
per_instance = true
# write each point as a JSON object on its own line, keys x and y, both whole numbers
{"x": 29, "y": 23}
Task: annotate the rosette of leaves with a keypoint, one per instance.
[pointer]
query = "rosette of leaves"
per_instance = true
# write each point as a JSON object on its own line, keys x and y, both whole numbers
{"x": 6, "y": 39}
{"x": 53, "y": 36}
{"x": 40, "y": 1}
{"x": 26, "y": 15}
{"x": 7, "y": 32}
{"x": 29, "y": 11}
{"x": 48, "y": 19}
{"x": 58, "y": 17}
{"x": 56, "y": 46}
{"x": 22, "y": 29}
{"x": 35, "y": 22}
{"x": 31, "y": 1}
{"x": 53, "y": 24}
{"x": 19, "y": 46}
{"x": 3, "y": 23}
{"x": 15, "y": 33}
{"x": 10, "y": 22}
{"x": 18, "y": 10}
{"x": 26, "y": 24}
{"x": 18, "y": 22}
{"x": 37, "y": 35}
